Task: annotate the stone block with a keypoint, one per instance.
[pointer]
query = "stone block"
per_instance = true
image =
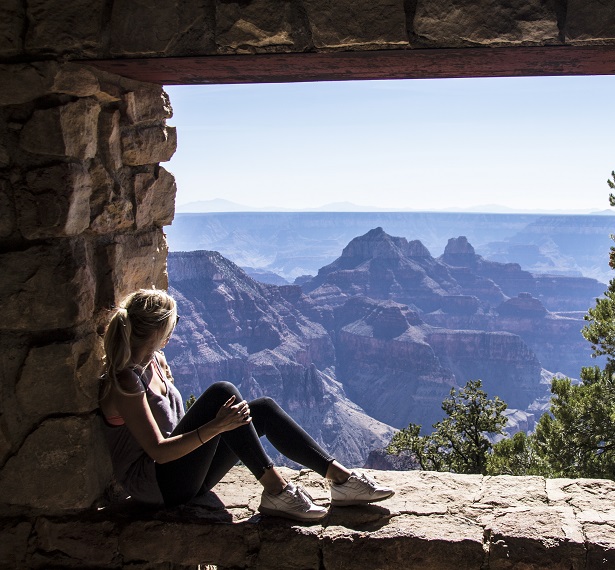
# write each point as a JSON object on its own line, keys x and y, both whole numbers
{"x": 498, "y": 491}
{"x": 117, "y": 214}
{"x": 197, "y": 29}
{"x": 437, "y": 542}
{"x": 187, "y": 544}
{"x": 155, "y": 199}
{"x": 428, "y": 493}
{"x": 68, "y": 130}
{"x": 75, "y": 80}
{"x": 457, "y": 23}
{"x": 60, "y": 378}
{"x": 21, "y": 83}
{"x": 364, "y": 23}
{"x": 73, "y": 542}
{"x": 148, "y": 145}
{"x": 601, "y": 544}
{"x": 14, "y": 545}
{"x": 143, "y": 27}
{"x": 256, "y": 25}
{"x": 46, "y": 287}
{"x": 57, "y": 26}
{"x": 5, "y": 443}
{"x": 54, "y": 202}
{"x": 147, "y": 105}
{"x": 12, "y": 18}
{"x": 63, "y": 465}
{"x": 133, "y": 261}
{"x": 5, "y": 159}
{"x": 7, "y": 211}
{"x": 535, "y": 537}
{"x": 109, "y": 139}
{"x": 582, "y": 494}
{"x": 289, "y": 548}
{"x": 589, "y": 21}
{"x": 111, "y": 208}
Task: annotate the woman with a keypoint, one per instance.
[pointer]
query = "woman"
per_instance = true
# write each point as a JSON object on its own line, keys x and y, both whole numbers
{"x": 161, "y": 455}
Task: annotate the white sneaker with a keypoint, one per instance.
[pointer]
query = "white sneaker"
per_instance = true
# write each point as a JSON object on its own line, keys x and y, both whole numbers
{"x": 293, "y": 502}
{"x": 358, "y": 490}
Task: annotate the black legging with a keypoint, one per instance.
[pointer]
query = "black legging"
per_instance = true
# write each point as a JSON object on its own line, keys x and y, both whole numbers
{"x": 184, "y": 478}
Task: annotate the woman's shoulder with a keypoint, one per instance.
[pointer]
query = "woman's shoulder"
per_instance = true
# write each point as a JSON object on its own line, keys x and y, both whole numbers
{"x": 128, "y": 382}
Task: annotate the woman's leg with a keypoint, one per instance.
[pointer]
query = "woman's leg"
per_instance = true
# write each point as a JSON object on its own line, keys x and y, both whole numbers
{"x": 288, "y": 437}
{"x": 182, "y": 479}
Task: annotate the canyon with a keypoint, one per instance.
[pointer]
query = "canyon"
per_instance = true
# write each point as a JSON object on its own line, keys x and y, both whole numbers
{"x": 291, "y": 244}
{"x": 378, "y": 337}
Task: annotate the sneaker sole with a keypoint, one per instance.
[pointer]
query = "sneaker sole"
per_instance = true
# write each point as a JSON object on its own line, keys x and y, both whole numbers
{"x": 295, "y": 517}
{"x": 342, "y": 503}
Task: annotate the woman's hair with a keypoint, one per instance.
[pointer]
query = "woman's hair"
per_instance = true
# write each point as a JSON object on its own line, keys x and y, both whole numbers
{"x": 140, "y": 315}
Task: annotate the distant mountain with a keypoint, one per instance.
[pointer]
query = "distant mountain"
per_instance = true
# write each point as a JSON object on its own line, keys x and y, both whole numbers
{"x": 379, "y": 337}
{"x": 293, "y": 244}
{"x": 433, "y": 323}
{"x": 264, "y": 276}
{"x": 215, "y": 205}
{"x": 222, "y": 205}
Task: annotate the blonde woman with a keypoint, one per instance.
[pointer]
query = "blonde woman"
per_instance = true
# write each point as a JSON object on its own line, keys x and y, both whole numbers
{"x": 162, "y": 455}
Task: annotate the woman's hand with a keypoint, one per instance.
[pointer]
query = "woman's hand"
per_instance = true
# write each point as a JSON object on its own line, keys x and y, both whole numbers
{"x": 231, "y": 416}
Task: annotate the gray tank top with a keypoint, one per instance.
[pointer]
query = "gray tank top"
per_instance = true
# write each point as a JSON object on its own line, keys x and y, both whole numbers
{"x": 132, "y": 467}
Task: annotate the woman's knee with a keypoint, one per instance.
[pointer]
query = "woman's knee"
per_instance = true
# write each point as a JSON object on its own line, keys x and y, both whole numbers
{"x": 264, "y": 404}
{"x": 223, "y": 389}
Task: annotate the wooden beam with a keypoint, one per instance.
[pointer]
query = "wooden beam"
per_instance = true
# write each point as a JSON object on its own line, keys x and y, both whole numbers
{"x": 363, "y": 65}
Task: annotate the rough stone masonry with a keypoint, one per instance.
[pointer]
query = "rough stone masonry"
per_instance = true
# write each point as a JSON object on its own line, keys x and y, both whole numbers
{"x": 436, "y": 521}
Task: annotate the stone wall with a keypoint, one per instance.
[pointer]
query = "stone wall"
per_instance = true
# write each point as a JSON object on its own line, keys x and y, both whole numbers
{"x": 82, "y": 204}
{"x": 435, "y": 521}
{"x": 126, "y": 28}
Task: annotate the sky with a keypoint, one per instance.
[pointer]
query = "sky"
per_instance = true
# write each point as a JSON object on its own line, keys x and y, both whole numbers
{"x": 526, "y": 144}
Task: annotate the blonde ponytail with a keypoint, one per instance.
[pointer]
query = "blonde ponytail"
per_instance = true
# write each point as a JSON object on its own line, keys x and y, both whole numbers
{"x": 117, "y": 343}
{"x": 140, "y": 315}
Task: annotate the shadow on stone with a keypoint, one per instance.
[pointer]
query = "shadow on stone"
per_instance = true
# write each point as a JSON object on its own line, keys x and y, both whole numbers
{"x": 366, "y": 518}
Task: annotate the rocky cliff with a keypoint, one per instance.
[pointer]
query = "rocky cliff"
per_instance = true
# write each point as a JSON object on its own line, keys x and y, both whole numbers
{"x": 558, "y": 293}
{"x": 234, "y": 328}
{"x": 291, "y": 244}
{"x": 377, "y": 339}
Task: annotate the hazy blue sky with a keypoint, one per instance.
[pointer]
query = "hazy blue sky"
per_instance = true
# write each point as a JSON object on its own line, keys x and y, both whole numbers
{"x": 523, "y": 143}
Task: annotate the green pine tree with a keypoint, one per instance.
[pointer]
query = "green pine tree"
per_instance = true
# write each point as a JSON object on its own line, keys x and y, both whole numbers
{"x": 459, "y": 443}
{"x": 577, "y": 437}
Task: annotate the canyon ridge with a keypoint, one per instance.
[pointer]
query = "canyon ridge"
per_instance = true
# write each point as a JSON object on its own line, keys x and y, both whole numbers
{"x": 378, "y": 337}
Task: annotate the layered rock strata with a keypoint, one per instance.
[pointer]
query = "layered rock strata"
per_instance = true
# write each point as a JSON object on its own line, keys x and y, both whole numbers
{"x": 236, "y": 329}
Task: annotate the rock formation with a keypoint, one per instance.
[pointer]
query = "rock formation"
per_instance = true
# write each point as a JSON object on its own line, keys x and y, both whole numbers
{"x": 386, "y": 327}
{"x": 234, "y": 328}
{"x": 390, "y": 357}
{"x": 292, "y": 244}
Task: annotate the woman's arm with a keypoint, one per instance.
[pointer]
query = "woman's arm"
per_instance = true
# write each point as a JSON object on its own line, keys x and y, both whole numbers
{"x": 140, "y": 421}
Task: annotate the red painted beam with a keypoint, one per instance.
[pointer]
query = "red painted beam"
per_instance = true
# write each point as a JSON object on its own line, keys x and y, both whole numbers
{"x": 361, "y": 65}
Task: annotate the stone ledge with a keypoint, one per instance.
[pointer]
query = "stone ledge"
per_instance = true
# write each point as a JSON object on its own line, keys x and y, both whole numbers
{"x": 435, "y": 521}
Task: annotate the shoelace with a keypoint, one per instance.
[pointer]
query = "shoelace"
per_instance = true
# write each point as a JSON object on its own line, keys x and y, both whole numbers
{"x": 369, "y": 482}
{"x": 304, "y": 496}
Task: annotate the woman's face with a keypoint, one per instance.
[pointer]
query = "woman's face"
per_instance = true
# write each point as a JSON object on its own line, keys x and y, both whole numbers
{"x": 168, "y": 337}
